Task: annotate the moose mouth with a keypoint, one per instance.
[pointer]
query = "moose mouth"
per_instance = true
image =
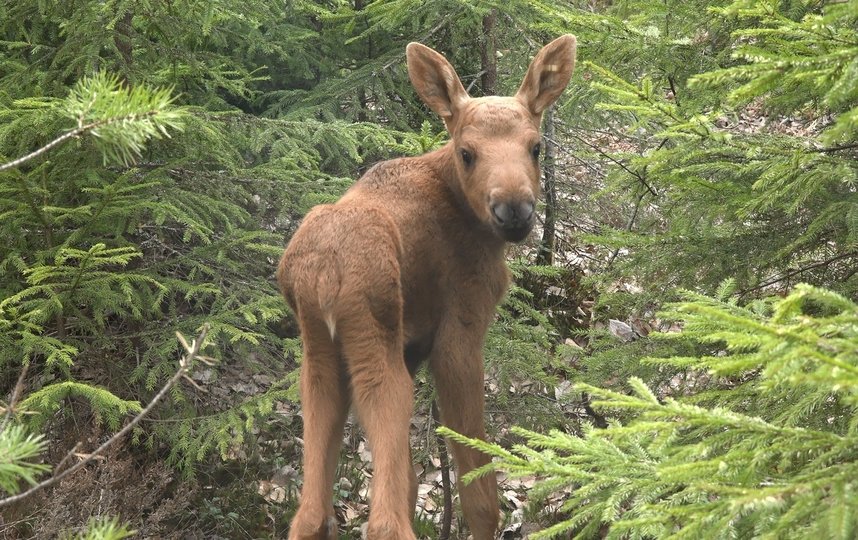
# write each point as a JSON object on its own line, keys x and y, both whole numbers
{"x": 514, "y": 235}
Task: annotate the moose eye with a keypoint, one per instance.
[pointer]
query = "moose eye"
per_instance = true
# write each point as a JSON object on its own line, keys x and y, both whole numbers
{"x": 537, "y": 148}
{"x": 467, "y": 157}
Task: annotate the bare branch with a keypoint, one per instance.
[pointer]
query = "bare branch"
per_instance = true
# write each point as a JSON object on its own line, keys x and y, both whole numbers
{"x": 446, "y": 484}
{"x": 629, "y": 226}
{"x": 832, "y": 149}
{"x": 16, "y": 395}
{"x": 797, "y": 271}
{"x": 185, "y": 363}
{"x": 619, "y": 163}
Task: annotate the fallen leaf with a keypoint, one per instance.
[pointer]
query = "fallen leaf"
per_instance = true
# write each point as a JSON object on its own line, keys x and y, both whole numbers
{"x": 621, "y": 330}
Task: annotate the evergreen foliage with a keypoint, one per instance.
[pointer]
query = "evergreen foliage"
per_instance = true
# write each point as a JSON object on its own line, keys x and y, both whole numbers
{"x": 17, "y": 448}
{"x": 773, "y": 457}
{"x": 741, "y": 424}
{"x": 120, "y": 118}
{"x": 104, "y": 529}
{"x": 522, "y": 359}
{"x": 123, "y": 120}
{"x": 727, "y": 160}
{"x": 105, "y": 262}
{"x": 106, "y": 407}
{"x": 754, "y": 203}
{"x": 109, "y": 247}
{"x": 703, "y": 145}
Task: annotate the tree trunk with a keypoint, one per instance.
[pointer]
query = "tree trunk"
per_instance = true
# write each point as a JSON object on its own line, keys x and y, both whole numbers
{"x": 488, "y": 55}
{"x": 545, "y": 256}
{"x": 363, "y": 101}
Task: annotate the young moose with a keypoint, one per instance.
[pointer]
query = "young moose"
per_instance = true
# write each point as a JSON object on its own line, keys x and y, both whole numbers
{"x": 408, "y": 267}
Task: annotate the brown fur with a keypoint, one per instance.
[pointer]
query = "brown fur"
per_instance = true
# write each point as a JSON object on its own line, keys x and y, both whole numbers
{"x": 409, "y": 266}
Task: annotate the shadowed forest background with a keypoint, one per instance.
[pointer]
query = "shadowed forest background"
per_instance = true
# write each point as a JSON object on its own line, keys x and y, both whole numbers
{"x": 678, "y": 356}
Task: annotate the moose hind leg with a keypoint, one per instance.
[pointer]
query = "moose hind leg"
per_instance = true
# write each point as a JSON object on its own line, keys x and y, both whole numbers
{"x": 383, "y": 395}
{"x": 325, "y": 402}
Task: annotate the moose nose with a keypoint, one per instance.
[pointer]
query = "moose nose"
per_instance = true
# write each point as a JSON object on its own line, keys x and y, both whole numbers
{"x": 513, "y": 215}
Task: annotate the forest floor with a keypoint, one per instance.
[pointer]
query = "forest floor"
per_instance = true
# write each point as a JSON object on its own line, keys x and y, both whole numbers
{"x": 250, "y": 494}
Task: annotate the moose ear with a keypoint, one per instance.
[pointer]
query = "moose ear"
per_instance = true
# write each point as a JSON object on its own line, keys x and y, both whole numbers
{"x": 435, "y": 80}
{"x": 548, "y": 74}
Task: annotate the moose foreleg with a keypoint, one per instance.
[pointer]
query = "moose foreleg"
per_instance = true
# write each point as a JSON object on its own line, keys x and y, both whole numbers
{"x": 457, "y": 368}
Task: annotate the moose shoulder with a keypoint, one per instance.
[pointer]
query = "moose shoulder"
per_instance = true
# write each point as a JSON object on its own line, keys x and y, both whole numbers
{"x": 408, "y": 266}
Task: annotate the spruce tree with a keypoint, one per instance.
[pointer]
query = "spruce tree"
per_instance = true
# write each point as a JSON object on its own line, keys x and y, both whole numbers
{"x": 736, "y": 419}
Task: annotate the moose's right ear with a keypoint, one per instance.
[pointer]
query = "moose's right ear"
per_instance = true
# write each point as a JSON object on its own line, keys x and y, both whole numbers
{"x": 436, "y": 81}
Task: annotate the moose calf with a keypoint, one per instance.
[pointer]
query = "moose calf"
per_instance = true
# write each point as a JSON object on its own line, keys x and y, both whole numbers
{"x": 408, "y": 266}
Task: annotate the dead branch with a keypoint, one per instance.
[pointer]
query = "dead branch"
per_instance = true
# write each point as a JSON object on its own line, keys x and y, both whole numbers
{"x": 192, "y": 352}
{"x": 797, "y": 271}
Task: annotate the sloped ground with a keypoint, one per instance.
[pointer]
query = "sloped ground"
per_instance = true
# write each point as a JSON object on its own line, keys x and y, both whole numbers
{"x": 250, "y": 495}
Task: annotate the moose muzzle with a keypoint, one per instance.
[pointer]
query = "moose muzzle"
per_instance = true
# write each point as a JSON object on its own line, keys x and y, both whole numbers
{"x": 513, "y": 220}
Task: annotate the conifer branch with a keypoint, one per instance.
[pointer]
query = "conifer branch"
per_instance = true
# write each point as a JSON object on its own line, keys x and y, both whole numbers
{"x": 77, "y": 132}
{"x": 798, "y": 271}
{"x": 192, "y": 352}
{"x": 832, "y": 149}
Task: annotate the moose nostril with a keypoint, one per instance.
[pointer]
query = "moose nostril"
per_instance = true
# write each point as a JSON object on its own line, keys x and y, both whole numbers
{"x": 502, "y": 212}
{"x": 513, "y": 215}
{"x": 525, "y": 211}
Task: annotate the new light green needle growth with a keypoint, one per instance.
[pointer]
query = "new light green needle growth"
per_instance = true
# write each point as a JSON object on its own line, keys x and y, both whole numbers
{"x": 64, "y": 278}
{"x": 102, "y": 528}
{"x": 122, "y": 118}
{"x": 796, "y": 63}
{"x": 18, "y": 449}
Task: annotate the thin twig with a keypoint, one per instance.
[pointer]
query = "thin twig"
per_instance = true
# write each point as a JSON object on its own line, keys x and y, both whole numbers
{"x": 598, "y": 420}
{"x": 68, "y": 455}
{"x": 398, "y": 57}
{"x": 16, "y": 395}
{"x": 59, "y": 140}
{"x": 571, "y": 154}
{"x": 801, "y": 270}
{"x": 474, "y": 82}
{"x": 673, "y": 89}
{"x": 832, "y": 148}
{"x": 619, "y": 163}
{"x": 184, "y": 366}
{"x": 446, "y": 484}
{"x": 629, "y": 226}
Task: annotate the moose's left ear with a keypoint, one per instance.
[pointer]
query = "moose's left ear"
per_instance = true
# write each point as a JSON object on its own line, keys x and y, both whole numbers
{"x": 548, "y": 74}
